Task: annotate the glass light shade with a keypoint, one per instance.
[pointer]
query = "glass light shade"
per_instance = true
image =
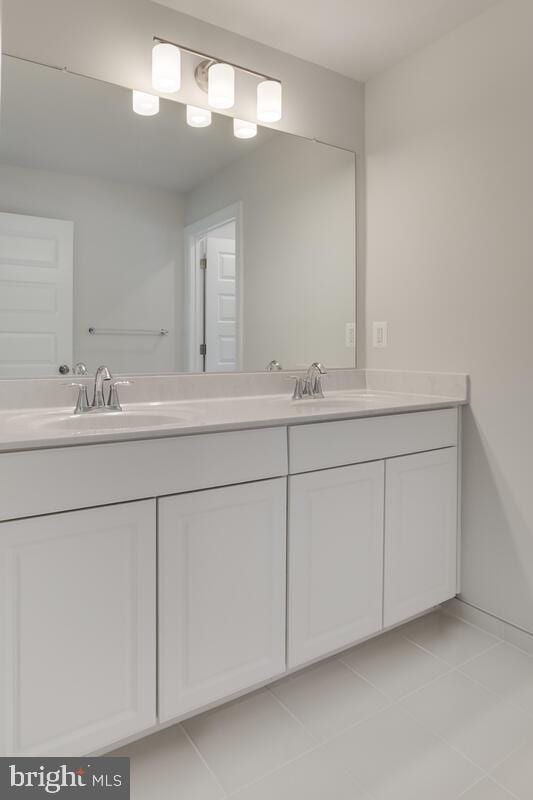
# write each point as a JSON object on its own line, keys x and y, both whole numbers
{"x": 198, "y": 117}
{"x": 221, "y": 86}
{"x": 269, "y": 101}
{"x": 145, "y": 104}
{"x": 166, "y": 68}
{"x": 243, "y": 129}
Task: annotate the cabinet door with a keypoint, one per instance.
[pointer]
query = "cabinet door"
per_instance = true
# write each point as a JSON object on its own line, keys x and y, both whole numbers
{"x": 420, "y": 533}
{"x": 77, "y": 629}
{"x": 335, "y": 559}
{"x": 221, "y": 593}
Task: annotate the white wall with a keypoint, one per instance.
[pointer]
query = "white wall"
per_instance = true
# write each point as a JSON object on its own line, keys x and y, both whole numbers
{"x": 112, "y": 40}
{"x": 450, "y": 266}
{"x": 128, "y": 262}
{"x": 298, "y": 206}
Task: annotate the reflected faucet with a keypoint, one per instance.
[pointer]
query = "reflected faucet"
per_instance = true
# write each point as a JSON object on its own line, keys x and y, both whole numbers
{"x": 274, "y": 366}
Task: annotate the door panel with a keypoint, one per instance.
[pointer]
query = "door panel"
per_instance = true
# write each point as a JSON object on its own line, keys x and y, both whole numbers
{"x": 77, "y": 626}
{"x": 335, "y": 559}
{"x": 221, "y": 593}
{"x": 420, "y": 533}
{"x": 221, "y": 316}
{"x": 36, "y": 263}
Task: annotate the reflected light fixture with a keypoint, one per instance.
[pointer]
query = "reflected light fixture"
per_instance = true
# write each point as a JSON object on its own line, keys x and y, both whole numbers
{"x": 147, "y": 105}
{"x": 269, "y": 101}
{"x": 198, "y": 117}
{"x": 243, "y": 129}
{"x": 166, "y": 68}
{"x": 221, "y": 86}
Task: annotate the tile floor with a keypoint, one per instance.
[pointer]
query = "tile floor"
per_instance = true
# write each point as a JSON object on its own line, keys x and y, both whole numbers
{"x": 437, "y": 710}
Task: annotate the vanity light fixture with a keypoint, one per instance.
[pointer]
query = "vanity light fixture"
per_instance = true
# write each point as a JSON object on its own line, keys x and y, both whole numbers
{"x": 243, "y": 129}
{"x": 221, "y": 86}
{"x": 215, "y": 77}
{"x": 198, "y": 117}
{"x": 166, "y": 68}
{"x": 147, "y": 105}
{"x": 269, "y": 101}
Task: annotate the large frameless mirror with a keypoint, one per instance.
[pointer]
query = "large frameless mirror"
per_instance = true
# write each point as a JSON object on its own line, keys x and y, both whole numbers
{"x": 156, "y": 247}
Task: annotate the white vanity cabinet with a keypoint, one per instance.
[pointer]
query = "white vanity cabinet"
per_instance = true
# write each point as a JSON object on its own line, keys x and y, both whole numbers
{"x": 375, "y": 543}
{"x": 221, "y": 593}
{"x": 420, "y": 533}
{"x": 335, "y": 559}
{"x": 144, "y": 581}
{"x": 77, "y": 629}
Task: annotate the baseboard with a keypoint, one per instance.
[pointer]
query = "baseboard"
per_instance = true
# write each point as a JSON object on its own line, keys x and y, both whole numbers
{"x": 488, "y": 622}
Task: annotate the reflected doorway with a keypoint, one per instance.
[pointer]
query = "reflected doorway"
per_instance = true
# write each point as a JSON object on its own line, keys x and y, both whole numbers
{"x": 214, "y": 276}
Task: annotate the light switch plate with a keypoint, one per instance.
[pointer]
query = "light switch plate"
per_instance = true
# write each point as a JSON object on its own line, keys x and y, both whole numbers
{"x": 380, "y": 334}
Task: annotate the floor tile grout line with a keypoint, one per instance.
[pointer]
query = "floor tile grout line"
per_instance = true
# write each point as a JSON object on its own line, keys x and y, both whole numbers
{"x": 526, "y": 711}
{"x": 439, "y": 658}
{"x": 317, "y": 746}
{"x": 495, "y": 782}
{"x": 441, "y": 739}
{"x": 472, "y": 624}
{"x": 364, "y": 678}
{"x": 504, "y": 787}
{"x": 509, "y": 755}
{"x": 204, "y": 761}
{"x": 486, "y": 773}
{"x": 397, "y": 700}
{"x": 460, "y": 671}
{"x": 502, "y": 639}
{"x": 478, "y": 655}
{"x": 426, "y": 727}
{"x": 292, "y": 714}
{"x": 277, "y": 769}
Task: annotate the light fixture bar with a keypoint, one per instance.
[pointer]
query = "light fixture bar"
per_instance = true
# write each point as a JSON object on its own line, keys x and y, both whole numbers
{"x": 206, "y": 56}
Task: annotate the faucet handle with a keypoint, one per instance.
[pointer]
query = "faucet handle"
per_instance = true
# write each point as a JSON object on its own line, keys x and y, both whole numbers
{"x": 298, "y": 386}
{"x": 113, "y": 399}
{"x": 82, "y": 403}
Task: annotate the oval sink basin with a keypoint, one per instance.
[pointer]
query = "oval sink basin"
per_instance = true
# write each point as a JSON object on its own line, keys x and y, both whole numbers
{"x": 112, "y": 421}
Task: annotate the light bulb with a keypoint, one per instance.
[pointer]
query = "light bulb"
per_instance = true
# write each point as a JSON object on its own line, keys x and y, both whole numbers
{"x": 243, "y": 129}
{"x": 145, "y": 104}
{"x": 221, "y": 86}
{"x": 269, "y": 101}
{"x": 198, "y": 117}
{"x": 166, "y": 68}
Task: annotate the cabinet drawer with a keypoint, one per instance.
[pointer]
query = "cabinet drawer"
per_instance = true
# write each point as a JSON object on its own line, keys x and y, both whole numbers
{"x": 335, "y": 444}
{"x": 45, "y": 481}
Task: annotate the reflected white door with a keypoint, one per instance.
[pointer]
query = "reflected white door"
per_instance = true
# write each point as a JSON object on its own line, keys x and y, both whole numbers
{"x": 221, "y": 306}
{"x": 36, "y": 257}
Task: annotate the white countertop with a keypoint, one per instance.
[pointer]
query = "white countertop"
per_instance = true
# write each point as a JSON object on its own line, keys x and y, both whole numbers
{"x": 58, "y": 427}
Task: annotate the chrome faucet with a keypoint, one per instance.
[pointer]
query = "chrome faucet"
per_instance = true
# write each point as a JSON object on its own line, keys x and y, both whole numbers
{"x": 309, "y": 386}
{"x": 313, "y": 379}
{"x": 102, "y": 374}
{"x": 100, "y": 402}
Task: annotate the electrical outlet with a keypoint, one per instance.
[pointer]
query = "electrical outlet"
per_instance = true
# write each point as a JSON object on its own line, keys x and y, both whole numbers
{"x": 380, "y": 334}
{"x": 349, "y": 333}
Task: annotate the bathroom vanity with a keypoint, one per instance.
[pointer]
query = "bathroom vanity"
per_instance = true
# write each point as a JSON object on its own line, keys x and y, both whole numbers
{"x": 162, "y": 559}
{"x": 153, "y": 573}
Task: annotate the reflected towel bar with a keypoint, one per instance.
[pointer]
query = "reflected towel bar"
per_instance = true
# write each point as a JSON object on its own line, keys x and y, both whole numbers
{"x": 127, "y": 332}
